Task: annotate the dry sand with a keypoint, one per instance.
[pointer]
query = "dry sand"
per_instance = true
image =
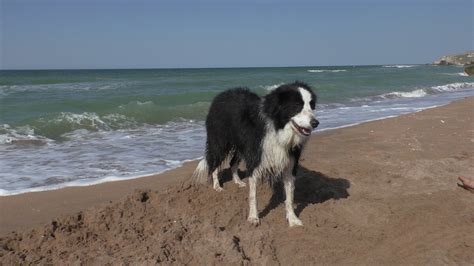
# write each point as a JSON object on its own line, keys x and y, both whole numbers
{"x": 383, "y": 192}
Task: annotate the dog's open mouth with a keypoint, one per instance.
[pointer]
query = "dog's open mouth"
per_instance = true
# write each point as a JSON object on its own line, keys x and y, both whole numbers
{"x": 302, "y": 130}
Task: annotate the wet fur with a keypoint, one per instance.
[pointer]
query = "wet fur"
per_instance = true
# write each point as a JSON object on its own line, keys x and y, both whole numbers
{"x": 242, "y": 126}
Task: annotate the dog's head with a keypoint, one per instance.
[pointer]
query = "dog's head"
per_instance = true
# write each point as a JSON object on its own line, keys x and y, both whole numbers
{"x": 292, "y": 106}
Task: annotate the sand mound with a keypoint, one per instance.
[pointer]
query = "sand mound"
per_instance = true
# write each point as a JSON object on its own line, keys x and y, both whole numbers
{"x": 185, "y": 224}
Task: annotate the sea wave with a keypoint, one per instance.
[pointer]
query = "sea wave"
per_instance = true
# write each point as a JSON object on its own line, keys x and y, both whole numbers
{"x": 45, "y": 130}
{"x": 55, "y": 126}
{"x": 462, "y": 74}
{"x": 326, "y": 70}
{"x": 69, "y": 126}
{"x": 23, "y": 135}
{"x": 149, "y": 112}
{"x": 404, "y": 94}
{"x": 419, "y": 92}
{"x": 330, "y": 105}
{"x": 127, "y": 116}
{"x": 452, "y": 87}
{"x": 94, "y": 157}
{"x": 399, "y": 66}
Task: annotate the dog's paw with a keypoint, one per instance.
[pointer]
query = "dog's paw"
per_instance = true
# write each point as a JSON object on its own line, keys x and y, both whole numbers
{"x": 218, "y": 188}
{"x": 241, "y": 183}
{"x": 294, "y": 221}
{"x": 254, "y": 221}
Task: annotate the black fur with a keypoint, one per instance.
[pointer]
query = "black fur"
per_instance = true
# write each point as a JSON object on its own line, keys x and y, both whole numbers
{"x": 285, "y": 102}
{"x": 236, "y": 125}
{"x": 296, "y": 153}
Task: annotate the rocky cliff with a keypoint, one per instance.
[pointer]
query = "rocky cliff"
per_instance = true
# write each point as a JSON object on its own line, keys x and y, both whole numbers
{"x": 459, "y": 59}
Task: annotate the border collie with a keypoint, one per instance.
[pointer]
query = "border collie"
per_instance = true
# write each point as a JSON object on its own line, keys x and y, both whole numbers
{"x": 266, "y": 133}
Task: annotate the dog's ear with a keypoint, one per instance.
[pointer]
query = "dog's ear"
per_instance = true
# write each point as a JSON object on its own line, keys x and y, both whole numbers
{"x": 272, "y": 105}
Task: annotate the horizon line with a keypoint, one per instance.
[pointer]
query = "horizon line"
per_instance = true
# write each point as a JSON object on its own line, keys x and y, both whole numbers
{"x": 227, "y": 67}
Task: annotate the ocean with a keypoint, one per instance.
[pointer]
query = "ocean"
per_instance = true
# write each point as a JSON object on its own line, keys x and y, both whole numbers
{"x": 63, "y": 128}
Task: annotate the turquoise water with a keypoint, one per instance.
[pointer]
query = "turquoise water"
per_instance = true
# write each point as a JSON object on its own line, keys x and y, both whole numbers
{"x": 77, "y": 127}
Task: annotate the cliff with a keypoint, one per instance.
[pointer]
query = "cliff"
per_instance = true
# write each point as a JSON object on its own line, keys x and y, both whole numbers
{"x": 459, "y": 59}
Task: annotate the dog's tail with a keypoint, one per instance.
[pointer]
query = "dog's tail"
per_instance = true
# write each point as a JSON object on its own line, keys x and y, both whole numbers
{"x": 201, "y": 174}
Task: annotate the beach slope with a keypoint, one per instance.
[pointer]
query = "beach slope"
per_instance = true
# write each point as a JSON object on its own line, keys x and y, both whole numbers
{"x": 383, "y": 192}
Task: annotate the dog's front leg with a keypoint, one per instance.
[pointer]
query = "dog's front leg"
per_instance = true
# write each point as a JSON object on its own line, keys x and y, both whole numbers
{"x": 289, "y": 183}
{"x": 253, "y": 215}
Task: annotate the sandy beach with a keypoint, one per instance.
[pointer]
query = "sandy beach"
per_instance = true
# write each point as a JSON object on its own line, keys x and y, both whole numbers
{"x": 383, "y": 192}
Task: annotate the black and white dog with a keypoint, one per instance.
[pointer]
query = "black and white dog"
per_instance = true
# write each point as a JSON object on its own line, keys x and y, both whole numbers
{"x": 266, "y": 133}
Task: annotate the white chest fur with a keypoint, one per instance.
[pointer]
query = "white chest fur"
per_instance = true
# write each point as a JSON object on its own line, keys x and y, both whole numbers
{"x": 275, "y": 150}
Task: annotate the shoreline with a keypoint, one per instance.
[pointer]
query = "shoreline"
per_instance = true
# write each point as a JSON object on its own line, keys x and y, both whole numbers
{"x": 381, "y": 192}
{"x": 109, "y": 179}
{"x": 77, "y": 183}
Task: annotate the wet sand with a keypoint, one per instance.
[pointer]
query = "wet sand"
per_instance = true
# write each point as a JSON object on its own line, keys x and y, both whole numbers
{"x": 383, "y": 192}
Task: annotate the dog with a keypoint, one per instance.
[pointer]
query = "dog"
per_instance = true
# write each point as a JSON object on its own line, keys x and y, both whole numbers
{"x": 266, "y": 133}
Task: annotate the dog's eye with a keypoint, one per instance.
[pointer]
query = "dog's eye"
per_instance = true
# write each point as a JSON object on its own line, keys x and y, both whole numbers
{"x": 312, "y": 104}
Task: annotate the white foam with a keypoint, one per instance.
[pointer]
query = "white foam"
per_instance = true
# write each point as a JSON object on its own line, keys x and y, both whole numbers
{"x": 399, "y": 66}
{"x": 453, "y": 86}
{"x": 92, "y": 157}
{"x": 89, "y": 182}
{"x": 408, "y": 94}
{"x": 355, "y": 115}
{"x": 20, "y": 134}
{"x": 85, "y": 118}
{"x": 462, "y": 74}
{"x": 418, "y": 93}
{"x": 353, "y": 124}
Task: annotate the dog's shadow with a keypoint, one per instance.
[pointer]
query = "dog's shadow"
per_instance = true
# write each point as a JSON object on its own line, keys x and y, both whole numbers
{"x": 311, "y": 187}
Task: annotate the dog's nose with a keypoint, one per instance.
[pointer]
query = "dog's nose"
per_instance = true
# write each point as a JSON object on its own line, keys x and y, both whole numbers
{"x": 314, "y": 123}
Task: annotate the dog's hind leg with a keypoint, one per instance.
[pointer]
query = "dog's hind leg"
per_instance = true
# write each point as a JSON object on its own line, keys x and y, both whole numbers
{"x": 215, "y": 181}
{"x": 215, "y": 156}
{"x": 234, "y": 167}
{"x": 236, "y": 177}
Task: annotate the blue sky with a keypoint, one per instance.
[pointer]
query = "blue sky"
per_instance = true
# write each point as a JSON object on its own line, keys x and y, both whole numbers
{"x": 37, "y": 34}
